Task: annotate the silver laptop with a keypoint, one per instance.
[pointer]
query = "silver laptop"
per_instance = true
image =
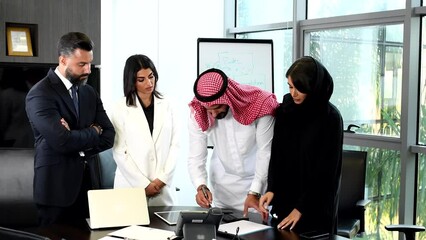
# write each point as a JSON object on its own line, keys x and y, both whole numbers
{"x": 117, "y": 207}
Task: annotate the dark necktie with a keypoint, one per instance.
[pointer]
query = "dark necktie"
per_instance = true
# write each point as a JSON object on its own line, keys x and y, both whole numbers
{"x": 74, "y": 90}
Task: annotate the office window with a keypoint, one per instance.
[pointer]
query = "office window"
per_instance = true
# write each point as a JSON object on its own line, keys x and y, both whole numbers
{"x": 365, "y": 59}
{"x": 327, "y": 8}
{"x": 366, "y": 65}
{"x": 251, "y": 13}
{"x": 422, "y": 89}
{"x": 383, "y": 167}
{"x": 421, "y": 173}
{"x": 282, "y": 44}
{"x": 421, "y": 194}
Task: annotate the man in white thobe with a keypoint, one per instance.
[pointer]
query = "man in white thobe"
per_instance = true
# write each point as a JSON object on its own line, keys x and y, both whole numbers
{"x": 238, "y": 119}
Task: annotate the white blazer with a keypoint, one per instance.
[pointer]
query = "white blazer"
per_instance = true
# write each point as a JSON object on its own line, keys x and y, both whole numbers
{"x": 141, "y": 157}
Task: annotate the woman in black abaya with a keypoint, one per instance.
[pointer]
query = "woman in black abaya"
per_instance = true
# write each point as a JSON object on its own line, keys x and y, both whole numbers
{"x": 305, "y": 166}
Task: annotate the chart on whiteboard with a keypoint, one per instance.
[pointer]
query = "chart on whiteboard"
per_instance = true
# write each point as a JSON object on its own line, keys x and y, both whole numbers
{"x": 246, "y": 61}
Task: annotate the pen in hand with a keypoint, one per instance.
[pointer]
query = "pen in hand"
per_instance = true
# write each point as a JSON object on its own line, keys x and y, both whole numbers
{"x": 203, "y": 188}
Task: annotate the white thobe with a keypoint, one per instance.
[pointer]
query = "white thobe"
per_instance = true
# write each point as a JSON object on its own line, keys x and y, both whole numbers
{"x": 239, "y": 161}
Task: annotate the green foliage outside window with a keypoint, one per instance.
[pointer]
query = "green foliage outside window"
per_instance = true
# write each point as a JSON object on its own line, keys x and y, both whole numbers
{"x": 382, "y": 182}
{"x": 362, "y": 59}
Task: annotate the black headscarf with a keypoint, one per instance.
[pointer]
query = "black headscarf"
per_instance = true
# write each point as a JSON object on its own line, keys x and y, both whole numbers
{"x": 312, "y": 78}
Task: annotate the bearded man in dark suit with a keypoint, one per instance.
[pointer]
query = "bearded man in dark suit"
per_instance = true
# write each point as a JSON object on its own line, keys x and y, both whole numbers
{"x": 70, "y": 127}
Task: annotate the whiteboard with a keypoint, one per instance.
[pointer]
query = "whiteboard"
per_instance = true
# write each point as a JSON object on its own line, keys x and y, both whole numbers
{"x": 247, "y": 61}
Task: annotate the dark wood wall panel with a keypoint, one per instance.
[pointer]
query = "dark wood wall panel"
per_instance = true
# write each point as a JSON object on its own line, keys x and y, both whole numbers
{"x": 53, "y": 18}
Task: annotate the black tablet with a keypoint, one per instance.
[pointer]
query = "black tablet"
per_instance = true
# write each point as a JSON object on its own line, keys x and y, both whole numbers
{"x": 314, "y": 235}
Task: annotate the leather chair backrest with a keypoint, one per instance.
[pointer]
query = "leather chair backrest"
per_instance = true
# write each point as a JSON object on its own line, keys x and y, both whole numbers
{"x": 353, "y": 179}
{"x": 12, "y": 234}
{"x": 352, "y": 204}
{"x": 17, "y": 208}
{"x": 107, "y": 168}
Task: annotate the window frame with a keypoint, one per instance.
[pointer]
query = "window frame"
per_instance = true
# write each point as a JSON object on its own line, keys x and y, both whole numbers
{"x": 406, "y": 143}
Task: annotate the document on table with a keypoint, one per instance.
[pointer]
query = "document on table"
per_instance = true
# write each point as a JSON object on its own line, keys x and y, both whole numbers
{"x": 108, "y": 238}
{"x": 244, "y": 227}
{"x": 140, "y": 232}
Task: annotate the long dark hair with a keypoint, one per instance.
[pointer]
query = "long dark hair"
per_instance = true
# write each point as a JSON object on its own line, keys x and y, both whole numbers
{"x": 133, "y": 65}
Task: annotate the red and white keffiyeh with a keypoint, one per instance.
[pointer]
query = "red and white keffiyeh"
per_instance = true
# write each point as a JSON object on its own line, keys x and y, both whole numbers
{"x": 246, "y": 102}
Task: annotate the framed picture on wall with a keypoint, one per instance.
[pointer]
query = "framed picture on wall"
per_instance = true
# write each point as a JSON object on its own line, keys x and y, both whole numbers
{"x": 19, "y": 41}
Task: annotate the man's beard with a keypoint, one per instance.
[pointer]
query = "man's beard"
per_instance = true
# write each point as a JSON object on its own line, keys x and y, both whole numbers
{"x": 222, "y": 114}
{"x": 76, "y": 79}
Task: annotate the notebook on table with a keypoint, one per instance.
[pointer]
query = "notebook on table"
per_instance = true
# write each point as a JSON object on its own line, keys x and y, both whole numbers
{"x": 117, "y": 207}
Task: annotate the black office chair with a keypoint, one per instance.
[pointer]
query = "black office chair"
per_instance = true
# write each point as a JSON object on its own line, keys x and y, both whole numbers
{"x": 13, "y": 234}
{"x": 17, "y": 208}
{"x": 352, "y": 202}
{"x": 408, "y": 230}
{"x": 107, "y": 168}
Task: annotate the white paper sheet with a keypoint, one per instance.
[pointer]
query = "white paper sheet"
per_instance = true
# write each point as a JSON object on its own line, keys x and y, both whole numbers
{"x": 140, "y": 233}
{"x": 244, "y": 226}
{"x": 108, "y": 238}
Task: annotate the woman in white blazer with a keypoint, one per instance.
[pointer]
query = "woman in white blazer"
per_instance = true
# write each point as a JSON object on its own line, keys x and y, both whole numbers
{"x": 146, "y": 142}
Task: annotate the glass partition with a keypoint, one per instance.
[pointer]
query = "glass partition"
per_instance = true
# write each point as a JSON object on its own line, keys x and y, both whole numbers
{"x": 251, "y": 13}
{"x": 421, "y": 168}
{"x": 422, "y": 90}
{"x": 383, "y": 168}
{"x": 366, "y": 65}
{"x": 421, "y": 194}
{"x": 327, "y": 8}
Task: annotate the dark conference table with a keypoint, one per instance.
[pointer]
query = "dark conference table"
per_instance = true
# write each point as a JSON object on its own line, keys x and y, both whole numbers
{"x": 83, "y": 232}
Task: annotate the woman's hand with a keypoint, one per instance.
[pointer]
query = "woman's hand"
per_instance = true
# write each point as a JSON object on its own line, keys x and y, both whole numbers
{"x": 291, "y": 220}
{"x": 154, "y": 188}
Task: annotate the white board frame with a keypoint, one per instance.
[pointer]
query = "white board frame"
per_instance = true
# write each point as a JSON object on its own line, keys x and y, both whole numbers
{"x": 247, "y": 61}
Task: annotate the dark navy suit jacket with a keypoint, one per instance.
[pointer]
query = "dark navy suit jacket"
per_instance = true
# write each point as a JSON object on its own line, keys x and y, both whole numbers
{"x": 58, "y": 166}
